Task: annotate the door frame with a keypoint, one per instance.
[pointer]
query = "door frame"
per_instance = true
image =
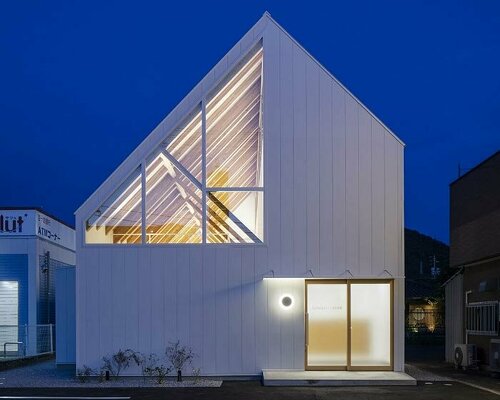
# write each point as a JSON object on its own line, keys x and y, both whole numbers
{"x": 306, "y": 324}
{"x": 349, "y": 367}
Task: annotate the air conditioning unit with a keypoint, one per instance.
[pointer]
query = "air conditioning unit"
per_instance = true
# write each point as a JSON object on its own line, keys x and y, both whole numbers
{"x": 465, "y": 355}
{"x": 495, "y": 354}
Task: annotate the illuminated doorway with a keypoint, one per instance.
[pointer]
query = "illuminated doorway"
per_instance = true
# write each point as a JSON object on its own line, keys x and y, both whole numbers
{"x": 349, "y": 325}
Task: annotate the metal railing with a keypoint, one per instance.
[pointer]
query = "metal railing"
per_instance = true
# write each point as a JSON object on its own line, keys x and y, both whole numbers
{"x": 18, "y": 341}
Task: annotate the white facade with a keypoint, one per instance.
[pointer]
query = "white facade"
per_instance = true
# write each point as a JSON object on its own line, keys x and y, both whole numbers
{"x": 333, "y": 208}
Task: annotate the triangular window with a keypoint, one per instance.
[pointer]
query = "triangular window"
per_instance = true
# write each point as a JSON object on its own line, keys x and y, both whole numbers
{"x": 196, "y": 196}
{"x": 119, "y": 219}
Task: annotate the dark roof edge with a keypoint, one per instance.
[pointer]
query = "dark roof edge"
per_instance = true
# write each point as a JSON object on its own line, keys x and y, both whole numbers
{"x": 476, "y": 167}
{"x": 460, "y": 271}
{"x": 477, "y": 261}
{"x": 40, "y": 210}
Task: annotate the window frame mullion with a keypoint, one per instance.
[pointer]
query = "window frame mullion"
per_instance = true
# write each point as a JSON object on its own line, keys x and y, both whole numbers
{"x": 204, "y": 169}
{"x": 143, "y": 201}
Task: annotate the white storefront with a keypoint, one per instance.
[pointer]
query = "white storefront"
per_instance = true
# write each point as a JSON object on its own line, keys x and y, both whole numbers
{"x": 261, "y": 223}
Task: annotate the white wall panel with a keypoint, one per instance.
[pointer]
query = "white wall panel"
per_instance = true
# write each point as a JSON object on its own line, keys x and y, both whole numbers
{"x": 365, "y": 192}
{"x": 286, "y": 154}
{"x": 248, "y": 309}
{"x": 339, "y": 180}
{"x": 272, "y": 146}
{"x": 325, "y": 177}
{"x": 209, "y": 310}
{"x": 170, "y": 295}
{"x": 378, "y": 199}
{"x": 235, "y": 306}
{"x": 352, "y": 186}
{"x": 144, "y": 281}
{"x": 312, "y": 165}
{"x": 333, "y": 201}
{"x": 221, "y": 311}
{"x": 157, "y": 299}
{"x": 183, "y": 293}
{"x": 125, "y": 271}
{"x": 105, "y": 297}
{"x": 196, "y": 303}
{"x": 299, "y": 162}
{"x": 392, "y": 231}
{"x": 261, "y": 316}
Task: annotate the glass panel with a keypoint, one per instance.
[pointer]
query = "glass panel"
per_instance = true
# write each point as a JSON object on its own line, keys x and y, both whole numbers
{"x": 118, "y": 220}
{"x": 234, "y": 139}
{"x": 185, "y": 143}
{"x": 371, "y": 324}
{"x": 9, "y": 314}
{"x": 234, "y": 217}
{"x": 327, "y": 324}
{"x": 173, "y": 204}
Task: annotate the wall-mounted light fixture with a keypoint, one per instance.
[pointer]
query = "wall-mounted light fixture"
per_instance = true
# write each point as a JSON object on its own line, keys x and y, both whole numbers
{"x": 286, "y": 301}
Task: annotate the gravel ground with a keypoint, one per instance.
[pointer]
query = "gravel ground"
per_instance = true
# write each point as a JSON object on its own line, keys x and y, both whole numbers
{"x": 46, "y": 374}
{"x": 423, "y": 375}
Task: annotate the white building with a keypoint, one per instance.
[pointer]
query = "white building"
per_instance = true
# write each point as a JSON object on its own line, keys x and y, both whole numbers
{"x": 33, "y": 245}
{"x": 261, "y": 223}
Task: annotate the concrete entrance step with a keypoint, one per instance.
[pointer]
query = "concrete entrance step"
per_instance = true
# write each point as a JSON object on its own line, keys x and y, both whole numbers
{"x": 295, "y": 377}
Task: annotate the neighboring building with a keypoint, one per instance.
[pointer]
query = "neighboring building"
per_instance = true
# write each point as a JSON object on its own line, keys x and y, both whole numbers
{"x": 33, "y": 244}
{"x": 426, "y": 263}
{"x": 261, "y": 223}
{"x": 473, "y": 293}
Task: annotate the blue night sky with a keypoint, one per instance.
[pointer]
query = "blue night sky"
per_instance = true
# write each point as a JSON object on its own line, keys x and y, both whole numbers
{"x": 83, "y": 82}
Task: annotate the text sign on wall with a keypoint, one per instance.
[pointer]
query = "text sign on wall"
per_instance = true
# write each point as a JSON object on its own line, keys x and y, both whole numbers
{"x": 34, "y": 223}
{"x": 17, "y": 222}
{"x": 54, "y": 231}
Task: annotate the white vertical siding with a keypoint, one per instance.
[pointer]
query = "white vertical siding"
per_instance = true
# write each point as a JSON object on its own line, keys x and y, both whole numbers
{"x": 325, "y": 176}
{"x": 339, "y": 180}
{"x": 365, "y": 190}
{"x": 377, "y": 199}
{"x": 312, "y": 166}
{"x": 196, "y": 302}
{"x": 287, "y": 153}
{"x": 352, "y": 186}
{"x": 299, "y": 221}
{"x": 333, "y": 202}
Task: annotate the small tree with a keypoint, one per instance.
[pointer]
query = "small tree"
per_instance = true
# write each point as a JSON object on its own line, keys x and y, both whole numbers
{"x": 179, "y": 356}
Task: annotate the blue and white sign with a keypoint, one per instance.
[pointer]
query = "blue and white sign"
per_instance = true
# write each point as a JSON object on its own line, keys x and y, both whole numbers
{"x": 36, "y": 223}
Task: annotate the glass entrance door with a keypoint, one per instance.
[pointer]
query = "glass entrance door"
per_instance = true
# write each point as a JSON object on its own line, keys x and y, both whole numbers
{"x": 349, "y": 324}
{"x": 326, "y": 324}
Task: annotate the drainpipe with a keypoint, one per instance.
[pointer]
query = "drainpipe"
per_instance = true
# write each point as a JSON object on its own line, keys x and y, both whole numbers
{"x": 466, "y": 303}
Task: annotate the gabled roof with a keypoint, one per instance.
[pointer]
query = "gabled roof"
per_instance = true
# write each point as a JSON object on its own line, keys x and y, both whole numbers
{"x": 166, "y": 127}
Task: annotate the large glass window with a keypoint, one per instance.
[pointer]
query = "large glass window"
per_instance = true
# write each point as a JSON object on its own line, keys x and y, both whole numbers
{"x": 371, "y": 324}
{"x": 196, "y": 196}
{"x": 234, "y": 134}
{"x": 119, "y": 219}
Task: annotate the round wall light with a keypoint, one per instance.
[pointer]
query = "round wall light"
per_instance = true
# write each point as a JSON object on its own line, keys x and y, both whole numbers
{"x": 286, "y": 301}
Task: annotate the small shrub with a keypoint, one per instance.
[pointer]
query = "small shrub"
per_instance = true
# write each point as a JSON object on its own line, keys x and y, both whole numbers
{"x": 179, "y": 356}
{"x": 149, "y": 364}
{"x": 161, "y": 372}
{"x": 84, "y": 373}
{"x": 102, "y": 376}
{"x": 118, "y": 362}
{"x": 196, "y": 375}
